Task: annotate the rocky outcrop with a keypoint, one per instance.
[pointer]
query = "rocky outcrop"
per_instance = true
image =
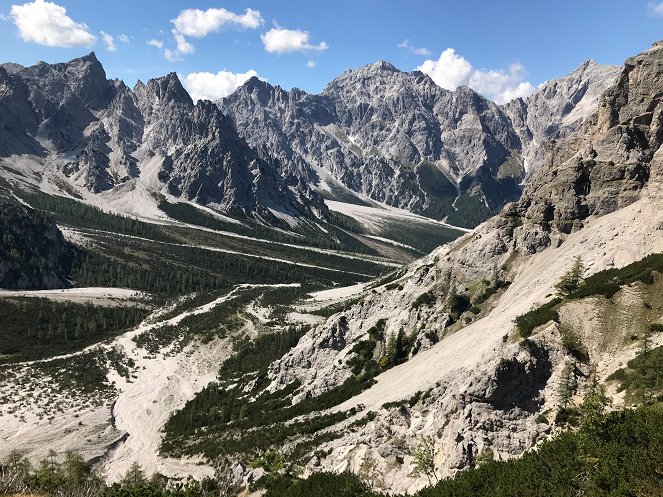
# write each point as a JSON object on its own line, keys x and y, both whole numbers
{"x": 558, "y": 108}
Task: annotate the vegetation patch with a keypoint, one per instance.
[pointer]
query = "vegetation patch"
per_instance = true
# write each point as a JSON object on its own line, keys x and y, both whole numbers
{"x": 537, "y": 317}
{"x": 37, "y": 328}
{"x": 642, "y": 378}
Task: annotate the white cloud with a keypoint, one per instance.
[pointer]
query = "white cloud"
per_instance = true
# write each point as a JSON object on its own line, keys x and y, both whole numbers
{"x": 123, "y": 38}
{"x": 47, "y": 23}
{"x": 155, "y": 43}
{"x": 655, "y": 9}
{"x": 519, "y": 91}
{"x": 4, "y": 17}
{"x": 452, "y": 70}
{"x": 183, "y": 46}
{"x": 280, "y": 40}
{"x": 199, "y": 23}
{"x": 311, "y": 64}
{"x": 171, "y": 55}
{"x": 449, "y": 71}
{"x": 109, "y": 41}
{"x": 210, "y": 86}
{"x": 407, "y": 45}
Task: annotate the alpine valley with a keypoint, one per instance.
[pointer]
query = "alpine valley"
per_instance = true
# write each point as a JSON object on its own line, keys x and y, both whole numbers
{"x": 384, "y": 288}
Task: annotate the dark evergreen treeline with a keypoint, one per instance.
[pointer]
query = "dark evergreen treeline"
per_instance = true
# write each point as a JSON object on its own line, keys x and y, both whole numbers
{"x": 608, "y": 282}
{"x": 36, "y": 328}
{"x": 68, "y": 475}
{"x": 172, "y": 269}
{"x": 74, "y": 213}
{"x": 33, "y": 253}
{"x": 335, "y": 238}
{"x": 257, "y": 354}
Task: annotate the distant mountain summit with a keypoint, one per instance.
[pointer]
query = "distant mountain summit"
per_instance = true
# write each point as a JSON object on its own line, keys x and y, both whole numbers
{"x": 100, "y": 135}
{"x": 376, "y": 132}
{"x": 399, "y": 138}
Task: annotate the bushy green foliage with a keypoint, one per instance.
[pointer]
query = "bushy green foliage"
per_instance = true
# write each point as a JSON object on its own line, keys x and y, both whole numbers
{"x": 572, "y": 342}
{"x": 318, "y": 485}
{"x": 537, "y": 317}
{"x": 608, "y": 282}
{"x": 642, "y": 378}
{"x": 256, "y": 355}
{"x": 424, "y": 459}
{"x": 572, "y": 280}
{"x": 489, "y": 291}
{"x": 36, "y": 328}
{"x": 458, "y": 303}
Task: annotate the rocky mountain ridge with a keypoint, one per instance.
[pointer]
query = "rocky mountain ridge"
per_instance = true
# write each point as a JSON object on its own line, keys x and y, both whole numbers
{"x": 375, "y": 132}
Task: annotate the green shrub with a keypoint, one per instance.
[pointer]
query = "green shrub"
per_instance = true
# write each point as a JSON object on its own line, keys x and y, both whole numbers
{"x": 537, "y": 317}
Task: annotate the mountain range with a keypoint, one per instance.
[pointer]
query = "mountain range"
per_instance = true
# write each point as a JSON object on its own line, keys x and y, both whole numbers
{"x": 374, "y": 133}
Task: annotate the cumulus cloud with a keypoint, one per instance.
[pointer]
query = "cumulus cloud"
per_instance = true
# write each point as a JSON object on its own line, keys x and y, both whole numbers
{"x": 123, "y": 38}
{"x": 451, "y": 70}
{"x": 109, "y": 41}
{"x": 311, "y": 64}
{"x": 199, "y": 23}
{"x": 155, "y": 43}
{"x": 171, "y": 55}
{"x": 280, "y": 40}
{"x": 407, "y": 45}
{"x": 183, "y": 46}
{"x": 210, "y": 86}
{"x": 48, "y": 24}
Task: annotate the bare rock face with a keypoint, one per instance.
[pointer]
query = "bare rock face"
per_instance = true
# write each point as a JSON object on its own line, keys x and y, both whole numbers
{"x": 558, "y": 108}
{"x": 394, "y": 136}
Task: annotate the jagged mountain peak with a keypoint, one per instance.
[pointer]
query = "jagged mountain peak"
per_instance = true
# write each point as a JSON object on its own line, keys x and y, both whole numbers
{"x": 380, "y": 65}
{"x": 168, "y": 88}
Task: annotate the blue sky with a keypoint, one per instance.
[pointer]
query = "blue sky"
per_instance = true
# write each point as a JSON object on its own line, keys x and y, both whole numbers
{"x": 503, "y": 49}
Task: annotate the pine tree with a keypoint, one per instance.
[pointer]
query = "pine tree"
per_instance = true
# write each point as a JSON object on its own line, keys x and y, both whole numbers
{"x": 572, "y": 280}
{"x": 135, "y": 476}
{"x": 594, "y": 403}
{"x": 567, "y": 386}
